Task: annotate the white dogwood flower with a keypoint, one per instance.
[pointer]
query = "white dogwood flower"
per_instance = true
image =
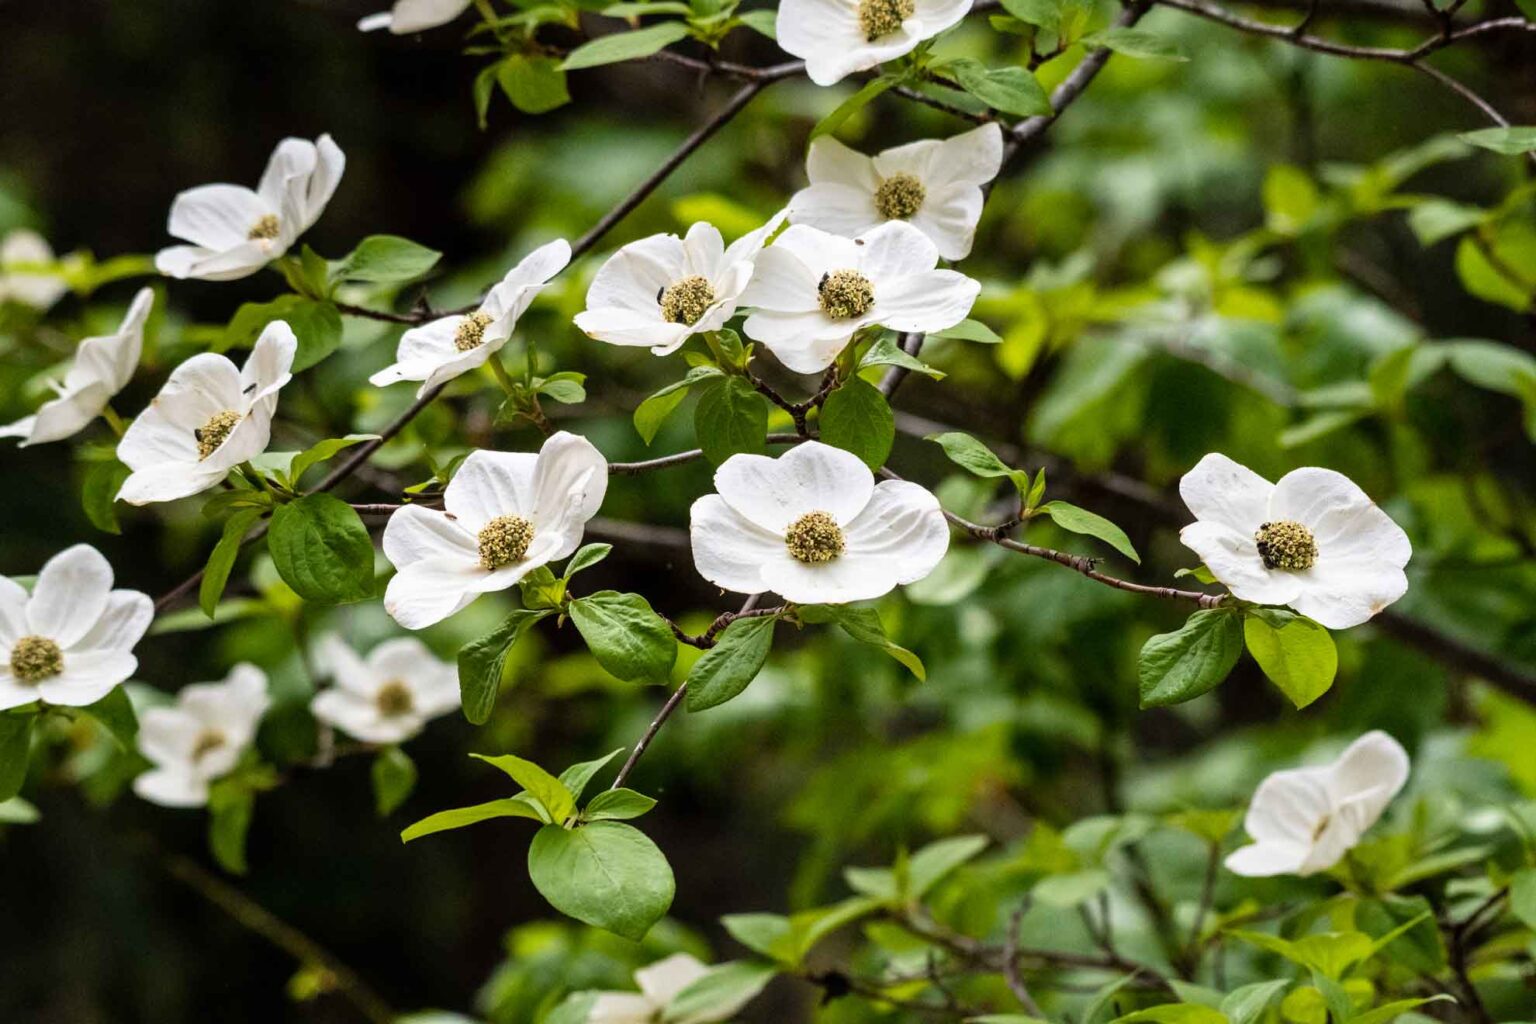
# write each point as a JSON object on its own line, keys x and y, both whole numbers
{"x": 838, "y": 37}
{"x": 21, "y": 252}
{"x": 934, "y": 185}
{"x": 812, "y": 291}
{"x": 101, "y": 368}
{"x": 415, "y": 15}
{"x": 441, "y": 350}
{"x": 504, "y": 515}
{"x": 1314, "y": 541}
{"x": 1304, "y": 820}
{"x": 813, "y": 526}
{"x": 660, "y": 291}
{"x": 200, "y": 737}
{"x": 235, "y": 232}
{"x": 660, "y": 983}
{"x": 208, "y": 418}
{"x": 390, "y": 695}
{"x": 71, "y": 640}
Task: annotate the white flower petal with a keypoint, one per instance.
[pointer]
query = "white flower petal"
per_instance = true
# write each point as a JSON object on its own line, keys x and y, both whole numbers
{"x": 840, "y": 209}
{"x": 167, "y": 735}
{"x": 628, "y": 327}
{"x": 1233, "y": 559}
{"x": 664, "y": 979}
{"x": 425, "y": 593}
{"x": 811, "y": 477}
{"x": 88, "y": 676}
{"x": 13, "y": 692}
{"x": 415, "y": 534}
{"x": 417, "y": 15}
{"x": 570, "y": 480}
{"x": 1289, "y": 806}
{"x": 122, "y": 624}
{"x": 895, "y": 250}
{"x": 621, "y": 1008}
{"x": 1264, "y": 860}
{"x": 172, "y": 787}
{"x": 13, "y": 611}
{"x": 147, "y": 486}
{"x": 70, "y": 595}
{"x": 490, "y": 484}
{"x": 359, "y": 717}
{"x": 1219, "y": 490}
{"x": 40, "y": 291}
{"x": 846, "y": 578}
{"x": 828, "y": 161}
{"x": 66, "y": 415}
{"x": 1340, "y": 594}
{"x": 515, "y": 293}
{"x": 925, "y": 302}
{"x": 729, "y": 549}
{"x": 268, "y": 366}
{"x": 348, "y": 671}
{"x": 218, "y": 217}
{"x": 902, "y": 524}
{"x": 948, "y": 217}
{"x": 1373, "y": 769}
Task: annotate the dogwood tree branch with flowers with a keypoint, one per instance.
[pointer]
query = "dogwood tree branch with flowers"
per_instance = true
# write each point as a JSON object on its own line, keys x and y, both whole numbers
{"x": 793, "y": 339}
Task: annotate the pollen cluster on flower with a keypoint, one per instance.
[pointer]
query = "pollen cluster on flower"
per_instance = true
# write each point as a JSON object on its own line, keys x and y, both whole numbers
{"x": 814, "y": 538}
{"x": 265, "y": 229}
{"x": 504, "y": 540}
{"x": 900, "y": 196}
{"x": 1286, "y": 544}
{"x": 215, "y": 432}
{"x": 882, "y": 17}
{"x": 207, "y": 742}
{"x": 35, "y": 658}
{"x": 686, "y": 301}
{"x": 394, "y": 698}
{"x": 471, "y": 332}
{"x": 845, "y": 294}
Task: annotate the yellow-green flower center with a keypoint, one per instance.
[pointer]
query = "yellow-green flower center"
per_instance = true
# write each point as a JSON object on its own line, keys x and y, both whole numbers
{"x": 265, "y": 229}
{"x": 685, "y": 301}
{"x": 215, "y": 432}
{"x": 845, "y": 294}
{"x": 35, "y": 658}
{"x": 814, "y": 538}
{"x": 394, "y": 698}
{"x": 471, "y": 332}
{"x": 1286, "y": 544}
{"x": 882, "y": 17}
{"x": 209, "y": 741}
{"x": 900, "y": 196}
{"x": 504, "y": 540}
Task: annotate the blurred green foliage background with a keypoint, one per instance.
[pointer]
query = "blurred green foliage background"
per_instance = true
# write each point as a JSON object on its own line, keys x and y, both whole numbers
{"x": 1201, "y": 256}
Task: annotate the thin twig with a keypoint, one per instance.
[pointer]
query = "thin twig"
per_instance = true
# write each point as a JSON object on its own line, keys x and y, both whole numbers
{"x": 1011, "y": 973}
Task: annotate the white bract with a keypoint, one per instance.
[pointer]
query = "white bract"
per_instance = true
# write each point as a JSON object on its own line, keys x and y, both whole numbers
{"x": 813, "y": 526}
{"x": 209, "y": 418}
{"x": 838, "y": 37}
{"x": 934, "y": 185}
{"x": 505, "y": 514}
{"x": 101, "y": 368}
{"x": 1303, "y": 820}
{"x": 661, "y": 290}
{"x": 660, "y": 983}
{"x": 390, "y": 695}
{"x": 812, "y": 291}
{"x": 21, "y": 252}
{"x": 1314, "y": 541}
{"x": 71, "y": 640}
{"x": 441, "y": 350}
{"x": 200, "y": 737}
{"x": 235, "y": 232}
{"x": 415, "y": 15}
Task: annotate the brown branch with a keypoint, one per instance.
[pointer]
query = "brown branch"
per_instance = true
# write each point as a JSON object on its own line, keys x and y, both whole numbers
{"x": 1012, "y": 976}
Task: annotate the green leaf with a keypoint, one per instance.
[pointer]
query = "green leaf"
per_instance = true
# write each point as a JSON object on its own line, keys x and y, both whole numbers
{"x": 1246, "y": 1004}
{"x": 863, "y": 624}
{"x": 654, "y": 410}
{"x": 1009, "y": 90}
{"x": 936, "y": 861}
{"x": 1135, "y": 42}
{"x": 719, "y": 994}
{"x": 768, "y": 934}
{"x": 1390, "y": 1011}
{"x": 969, "y": 330}
{"x": 850, "y": 106}
{"x": 885, "y": 352}
{"x": 394, "y": 776}
{"x": 577, "y": 776}
{"x": 725, "y": 669}
{"x": 542, "y": 786}
{"x": 98, "y": 493}
{"x": 617, "y": 805}
{"x": 606, "y": 874}
{"x": 535, "y": 84}
{"x": 566, "y": 387}
{"x": 1328, "y": 953}
{"x": 623, "y": 46}
{"x": 481, "y": 662}
{"x": 1174, "y": 1013}
{"x": 316, "y": 324}
{"x": 974, "y": 457}
{"x": 115, "y": 713}
{"x": 222, "y": 560}
{"x": 628, "y": 639}
{"x": 1070, "y": 889}
{"x": 15, "y": 750}
{"x": 858, "y": 419}
{"x": 321, "y": 451}
{"x": 1090, "y": 524}
{"x": 1489, "y": 281}
{"x": 1044, "y": 13}
{"x": 17, "y": 811}
{"x": 1290, "y": 199}
{"x": 1298, "y": 656}
{"x": 1435, "y": 220}
{"x": 385, "y": 259}
{"x": 761, "y": 21}
{"x": 442, "y": 821}
{"x": 231, "y": 803}
{"x": 322, "y": 550}
{"x": 1182, "y": 665}
{"x": 1510, "y": 141}
{"x": 588, "y": 556}
{"x": 1522, "y": 895}
{"x": 731, "y": 417}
